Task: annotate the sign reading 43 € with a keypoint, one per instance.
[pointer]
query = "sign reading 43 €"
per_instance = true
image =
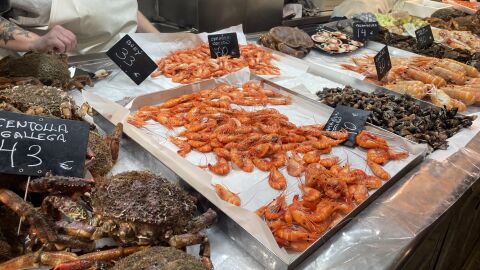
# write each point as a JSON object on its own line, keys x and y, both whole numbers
{"x": 33, "y": 145}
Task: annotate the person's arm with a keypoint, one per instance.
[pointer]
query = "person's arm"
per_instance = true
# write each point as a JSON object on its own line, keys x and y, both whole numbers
{"x": 144, "y": 25}
{"x": 15, "y": 38}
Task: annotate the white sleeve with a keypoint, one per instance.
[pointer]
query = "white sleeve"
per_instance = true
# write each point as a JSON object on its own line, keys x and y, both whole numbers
{"x": 348, "y": 8}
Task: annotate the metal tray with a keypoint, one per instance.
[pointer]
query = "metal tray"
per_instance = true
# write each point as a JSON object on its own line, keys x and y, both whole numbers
{"x": 230, "y": 224}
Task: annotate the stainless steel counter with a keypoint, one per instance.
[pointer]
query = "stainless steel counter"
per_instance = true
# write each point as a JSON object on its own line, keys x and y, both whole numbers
{"x": 380, "y": 236}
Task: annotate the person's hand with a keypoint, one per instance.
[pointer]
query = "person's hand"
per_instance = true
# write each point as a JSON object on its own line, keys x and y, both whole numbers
{"x": 58, "y": 39}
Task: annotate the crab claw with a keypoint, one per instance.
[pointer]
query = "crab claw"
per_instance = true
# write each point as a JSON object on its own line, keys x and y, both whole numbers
{"x": 90, "y": 158}
{"x": 113, "y": 141}
{"x": 61, "y": 185}
{"x": 75, "y": 265}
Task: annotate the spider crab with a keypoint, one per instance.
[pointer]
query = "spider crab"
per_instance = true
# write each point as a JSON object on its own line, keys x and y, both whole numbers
{"x": 53, "y": 102}
{"x": 41, "y": 228}
{"x": 136, "y": 209}
{"x": 159, "y": 258}
{"x": 48, "y": 68}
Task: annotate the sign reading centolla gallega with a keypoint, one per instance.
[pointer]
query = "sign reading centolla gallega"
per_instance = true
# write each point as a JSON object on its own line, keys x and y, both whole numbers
{"x": 35, "y": 145}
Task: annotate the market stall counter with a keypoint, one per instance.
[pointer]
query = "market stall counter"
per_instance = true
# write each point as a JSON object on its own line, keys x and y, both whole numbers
{"x": 377, "y": 237}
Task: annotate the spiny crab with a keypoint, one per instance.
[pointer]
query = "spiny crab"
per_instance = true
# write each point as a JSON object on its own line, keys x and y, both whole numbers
{"x": 159, "y": 258}
{"x": 42, "y": 229}
{"x": 49, "y": 68}
{"x": 289, "y": 40}
{"x": 104, "y": 151}
{"x": 38, "y": 100}
{"x": 134, "y": 208}
{"x": 53, "y": 102}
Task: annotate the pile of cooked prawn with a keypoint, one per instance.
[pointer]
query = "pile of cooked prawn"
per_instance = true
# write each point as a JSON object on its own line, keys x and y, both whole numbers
{"x": 446, "y": 82}
{"x": 265, "y": 139}
{"x": 193, "y": 65}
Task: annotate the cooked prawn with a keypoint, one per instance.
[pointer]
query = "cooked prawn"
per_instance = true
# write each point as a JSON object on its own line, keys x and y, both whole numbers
{"x": 276, "y": 179}
{"x": 227, "y": 195}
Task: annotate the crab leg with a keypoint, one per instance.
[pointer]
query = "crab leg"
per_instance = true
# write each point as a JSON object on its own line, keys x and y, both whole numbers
{"x": 205, "y": 253}
{"x": 114, "y": 141}
{"x": 90, "y": 159}
{"x": 39, "y": 224}
{"x": 189, "y": 239}
{"x": 76, "y": 229}
{"x": 61, "y": 185}
{"x": 40, "y": 257}
{"x": 5, "y": 250}
{"x": 87, "y": 260}
{"x": 203, "y": 221}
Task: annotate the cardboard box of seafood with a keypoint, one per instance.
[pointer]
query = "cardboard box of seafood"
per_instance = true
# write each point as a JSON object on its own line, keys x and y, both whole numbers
{"x": 254, "y": 189}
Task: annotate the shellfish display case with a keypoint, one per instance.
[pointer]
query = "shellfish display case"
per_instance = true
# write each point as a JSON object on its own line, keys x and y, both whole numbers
{"x": 230, "y": 222}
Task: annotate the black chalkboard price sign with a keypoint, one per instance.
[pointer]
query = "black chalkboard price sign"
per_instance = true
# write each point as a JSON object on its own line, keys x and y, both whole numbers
{"x": 424, "y": 37}
{"x": 224, "y": 44}
{"x": 32, "y": 145}
{"x": 348, "y": 118}
{"x": 383, "y": 64}
{"x": 364, "y": 30}
{"x": 131, "y": 59}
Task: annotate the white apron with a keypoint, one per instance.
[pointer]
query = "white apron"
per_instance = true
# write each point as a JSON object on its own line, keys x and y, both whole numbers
{"x": 98, "y": 24}
{"x": 348, "y": 8}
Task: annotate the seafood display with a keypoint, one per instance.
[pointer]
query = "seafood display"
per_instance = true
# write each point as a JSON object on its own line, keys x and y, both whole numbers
{"x": 160, "y": 213}
{"x": 458, "y": 39}
{"x": 193, "y": 65}
{"x": 335, "y": 42}
{"x": 452, "y": 19}
{"x": 446, "y": 82}
{"x": 329, "y": 192}
{"x": 159, "y": 258}
{"x": 38, "y": 100}
{"x": 218, "y": 122}
{"x": 72, "y": 213}
{"x": 402, "y": 115}
{"x": 399, "y": 23}
{"x": 50, "y": 69}
{"x": 289, "y": 40}
{"x": 437, "y": 50}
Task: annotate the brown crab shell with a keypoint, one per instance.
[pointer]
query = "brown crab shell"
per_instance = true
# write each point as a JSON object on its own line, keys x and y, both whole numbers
{"x": 159, "y": 258}
{"x": 42, "y": 100}
{"x": 144, "y": 202}
{"x": 103, "y": 162}
{"x": 48, "y": 68}
{"x": 292, "y": 37}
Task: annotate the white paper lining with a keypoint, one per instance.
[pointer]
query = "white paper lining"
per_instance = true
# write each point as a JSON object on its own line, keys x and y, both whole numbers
{"x": 253, "y": 188}
{"x": 119, "y": 86}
